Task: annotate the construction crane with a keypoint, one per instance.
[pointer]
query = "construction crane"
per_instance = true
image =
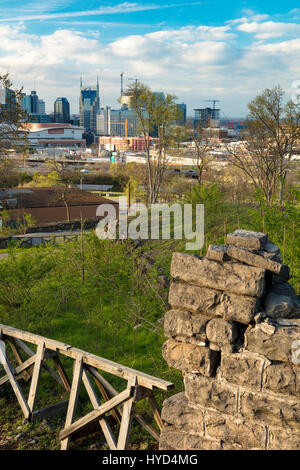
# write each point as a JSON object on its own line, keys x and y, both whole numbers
{"x": 213, "y": 101}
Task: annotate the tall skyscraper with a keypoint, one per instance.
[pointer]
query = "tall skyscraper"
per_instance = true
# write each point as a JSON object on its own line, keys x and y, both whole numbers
{"x": 34, "y": 102}
{"x": 89, "y": 105}
{"x": 61, "y": 110}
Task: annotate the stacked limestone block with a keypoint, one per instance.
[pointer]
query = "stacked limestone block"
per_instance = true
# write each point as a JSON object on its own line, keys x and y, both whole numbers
{"x": 234, "y": 332}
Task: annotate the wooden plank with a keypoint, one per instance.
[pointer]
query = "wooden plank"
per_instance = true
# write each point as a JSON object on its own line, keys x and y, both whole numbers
{"x": 96, "y": 414}
{"x": 98, "y": 362}
{"x": 36, "y": 376}
{"x": 156, "y": 411}
{"x": 16, "y": 388}
{"x": 50, "y": 411}
{"x": 127, "y": 415}
{"x": 18, "y": 370}
{"x": 89, "y": 388}
{"x": 74, "y": 395}
{"x": 108, "y": 434}
{"x": 62, "y": 373}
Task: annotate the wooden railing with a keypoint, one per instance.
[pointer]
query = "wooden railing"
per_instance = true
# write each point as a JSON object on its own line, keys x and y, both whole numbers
{"x": 115, "y": 408}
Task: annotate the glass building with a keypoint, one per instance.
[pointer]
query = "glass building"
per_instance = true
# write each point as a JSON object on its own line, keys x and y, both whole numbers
{"x": 61, "y": 110}
{"x": 89, "y": 106}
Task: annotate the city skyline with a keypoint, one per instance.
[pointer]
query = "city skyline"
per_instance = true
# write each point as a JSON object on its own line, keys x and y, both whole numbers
{"x": 197, "y": 50}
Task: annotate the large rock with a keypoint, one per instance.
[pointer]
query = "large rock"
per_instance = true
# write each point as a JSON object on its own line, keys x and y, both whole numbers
{"x": 172, "y": 439}
{"x": 276, "y": 342}
{"x": 231, "y": 277}
{"x": 247, "y": 239}
{"x": 178, "y": 411}
{"x": 243, "y": 368}
{"x": 282, "y": 439}
{"x": 278, "y": 306}
{"x": 242, "y": 432}
{"x": 212, "y": 302}
{"x": 211, "y": 393}
{"x": 252, "y": 259}
{"x": 282, "y": 378}
{"x": 217, "y": 253}
{"x": 189, "y": 357}
{"x": 270, "y": 409}
{"x": 221, "y": 332}
{"x": 186, "y": 326}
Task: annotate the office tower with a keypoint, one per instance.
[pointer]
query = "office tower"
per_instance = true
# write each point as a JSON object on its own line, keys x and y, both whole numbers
{"x": 181, "y": 110}
{"x": 61, "y": 110}
{"x": 41, "y": 107}
{"x": 34, "y": 100}
{"x": 89, "y": 105}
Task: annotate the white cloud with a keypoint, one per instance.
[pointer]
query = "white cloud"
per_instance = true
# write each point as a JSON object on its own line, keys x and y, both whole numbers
{"x": 269, "y": 29}
{"x": 195, "y": 63}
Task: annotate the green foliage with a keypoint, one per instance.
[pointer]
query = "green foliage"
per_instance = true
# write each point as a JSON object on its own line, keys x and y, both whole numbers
{"x": 208, "y": 194}
{"x": 282, "y": 223}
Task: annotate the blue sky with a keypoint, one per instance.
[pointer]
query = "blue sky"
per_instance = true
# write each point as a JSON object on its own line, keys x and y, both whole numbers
{"x": 197, "y": 50}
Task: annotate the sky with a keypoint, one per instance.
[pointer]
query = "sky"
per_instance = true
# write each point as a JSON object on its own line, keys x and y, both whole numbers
{"x": 196, "y": 50}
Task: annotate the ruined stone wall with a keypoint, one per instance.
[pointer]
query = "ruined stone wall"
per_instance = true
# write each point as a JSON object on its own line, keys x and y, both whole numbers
{"x": 234, "y": 332}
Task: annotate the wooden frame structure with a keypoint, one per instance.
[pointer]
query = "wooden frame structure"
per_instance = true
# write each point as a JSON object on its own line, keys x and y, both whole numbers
{"x": 116, "y": 408}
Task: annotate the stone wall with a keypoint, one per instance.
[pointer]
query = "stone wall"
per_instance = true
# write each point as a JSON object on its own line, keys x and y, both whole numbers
{"x": 234, "y": 331}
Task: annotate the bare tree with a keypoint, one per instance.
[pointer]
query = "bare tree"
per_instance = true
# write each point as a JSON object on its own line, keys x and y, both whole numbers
{"x": 266, "y": 146}
{"x": 156, "y": 115}
{"x": 65, "y": 178}
{"x": 202, "y": 146}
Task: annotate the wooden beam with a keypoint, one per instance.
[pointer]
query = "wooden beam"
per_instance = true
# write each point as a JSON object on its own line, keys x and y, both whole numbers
{"x": 102, "y": 385}
{"x": 62, "y": 373}
{"x": 16, "y": 353}
{"x": 156, "y": 411}
{"x": 108, "y": 434}
{"x": 74, "y": 395}
{"x": 18, "y": 370}
{"x": 96, "y": 414}
{"x": 127, "y": 415}
{"x": 30, "y": 353}
{"x": 114, "y": 392}
{"x": 106, "y": 429}
{"x": 16, "y": 388}
{"x": 50, "y": 411}
{"x": 36, "y": 376}
{"x": 146, "y": 380}
{"x": 89, "y": 388}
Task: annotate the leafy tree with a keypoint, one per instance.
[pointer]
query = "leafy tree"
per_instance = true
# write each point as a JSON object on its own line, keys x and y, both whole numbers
{"x": 156, "y": 115}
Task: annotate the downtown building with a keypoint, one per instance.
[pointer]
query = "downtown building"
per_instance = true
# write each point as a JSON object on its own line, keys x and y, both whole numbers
{"x": 89, "y": 105}
{"x": 61, "y": 110}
